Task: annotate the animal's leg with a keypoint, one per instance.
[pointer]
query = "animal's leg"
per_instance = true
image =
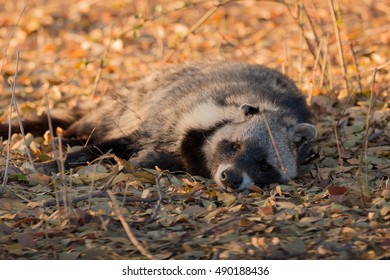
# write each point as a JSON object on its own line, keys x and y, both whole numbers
{"x": 149, "y": 158}
{"x": 122, "y": 147}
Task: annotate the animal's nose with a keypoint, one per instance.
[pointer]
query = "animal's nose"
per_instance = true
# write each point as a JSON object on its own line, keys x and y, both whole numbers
{"x": 231, "y": 178}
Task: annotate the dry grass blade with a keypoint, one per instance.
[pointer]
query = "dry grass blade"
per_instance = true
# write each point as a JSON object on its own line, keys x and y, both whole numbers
{"x": 5, "y": 178}
{"x": 359, "y": 78}
{"x": 339, "y": 44}
{"x": 274, "y": 145}
{"x": 12, "y": 35}
{"x": 363, "y": 156}
{"x": 127, "y": 229}
{"x": 160, "y": 198}
{"x": 13, "y": 84}
{"x": 197, "y": 25}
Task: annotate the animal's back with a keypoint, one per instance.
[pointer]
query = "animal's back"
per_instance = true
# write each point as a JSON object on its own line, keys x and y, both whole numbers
{"x": 199, "y": 95}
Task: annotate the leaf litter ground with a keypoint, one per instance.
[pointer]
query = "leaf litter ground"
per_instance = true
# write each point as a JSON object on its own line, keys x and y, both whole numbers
{"x": 78, "y": 51}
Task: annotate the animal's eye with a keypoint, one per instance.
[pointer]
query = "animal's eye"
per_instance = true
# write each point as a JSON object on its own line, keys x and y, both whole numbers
{"x": 230, "y": 147}
{"x": 234, "y": 147}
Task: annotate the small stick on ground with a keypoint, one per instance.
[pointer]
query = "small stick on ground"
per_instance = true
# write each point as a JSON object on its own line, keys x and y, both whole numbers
{"x": 127, "y": 229}
{"x": 83, "y": 197}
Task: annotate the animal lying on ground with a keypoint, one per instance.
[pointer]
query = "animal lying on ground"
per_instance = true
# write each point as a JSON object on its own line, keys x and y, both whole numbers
{"x": 239, "y": 124}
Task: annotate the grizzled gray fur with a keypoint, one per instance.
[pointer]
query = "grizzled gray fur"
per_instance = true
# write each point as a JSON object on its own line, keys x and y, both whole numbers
{"x": 208, "y": 119}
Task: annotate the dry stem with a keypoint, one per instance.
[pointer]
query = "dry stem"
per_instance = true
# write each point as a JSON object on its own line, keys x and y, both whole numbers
{"x": 274, "y": 145}
{"x": 5, "y": 179}
{"x": 13, "y": 84}
{"x": 15, "y": 104}
{"x": 339, "y": 45}
{"x": 365, "y": 141}
{"x": 12, "y": 35}
{"x": 338, "y": 145}
{"x": 160, "y": 198}
{"x": 359, "y": 79}
{"x": 198, "y": 24}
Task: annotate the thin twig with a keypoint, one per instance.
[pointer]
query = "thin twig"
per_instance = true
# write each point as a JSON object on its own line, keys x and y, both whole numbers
{"x": 197, "y": 25}
{"x": 50, "y": 123}
{"x": 318, "y": 41}
{"x": 160, "y": 198}
{"x": 15, "y": 103}
{"x": 323, "y": 67}
{"x": 365, "y": 139}
{"x": 318, "y": 54}
{"x": 92, "y": 186}
{"x": 127, "y": 229}
{"x": 330, "y": 70}
{"x": 12, "y": 35}
{"x": 380, "y": 67}
{"x": 285, "y": 58}
{"x": 13, "y": 84}
{"x": 5, "y": 179}
{"x": 59, "y": 158}
{"x": 346, "y": 106}
{"x": 103, "y": 193}
{"x": 274, "y": 145}
{"x": 301, "y": 27}
{"x": 100, "y": 69}
{"x": 359, "y": 79}
{"x": 339, "y": 45}
{"x": 338, "y": 145}
{"x": 185, "y": 6}
{"x": 63, "y": 183}
{"x": 301, "y": 39}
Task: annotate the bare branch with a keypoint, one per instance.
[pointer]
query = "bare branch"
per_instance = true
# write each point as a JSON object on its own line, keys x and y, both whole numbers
{"x": 339, "y": 45}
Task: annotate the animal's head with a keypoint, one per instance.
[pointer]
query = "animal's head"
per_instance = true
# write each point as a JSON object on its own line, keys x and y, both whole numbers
{"x": 239, "y": 154}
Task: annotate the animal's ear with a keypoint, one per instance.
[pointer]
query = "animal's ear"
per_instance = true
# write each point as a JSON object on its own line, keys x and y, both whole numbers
{"x": 249, "y": 110}
{"x": 304, "y": 133}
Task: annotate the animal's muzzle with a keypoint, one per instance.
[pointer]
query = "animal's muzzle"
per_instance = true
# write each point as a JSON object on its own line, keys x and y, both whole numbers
{"x": 231, "y": 178}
